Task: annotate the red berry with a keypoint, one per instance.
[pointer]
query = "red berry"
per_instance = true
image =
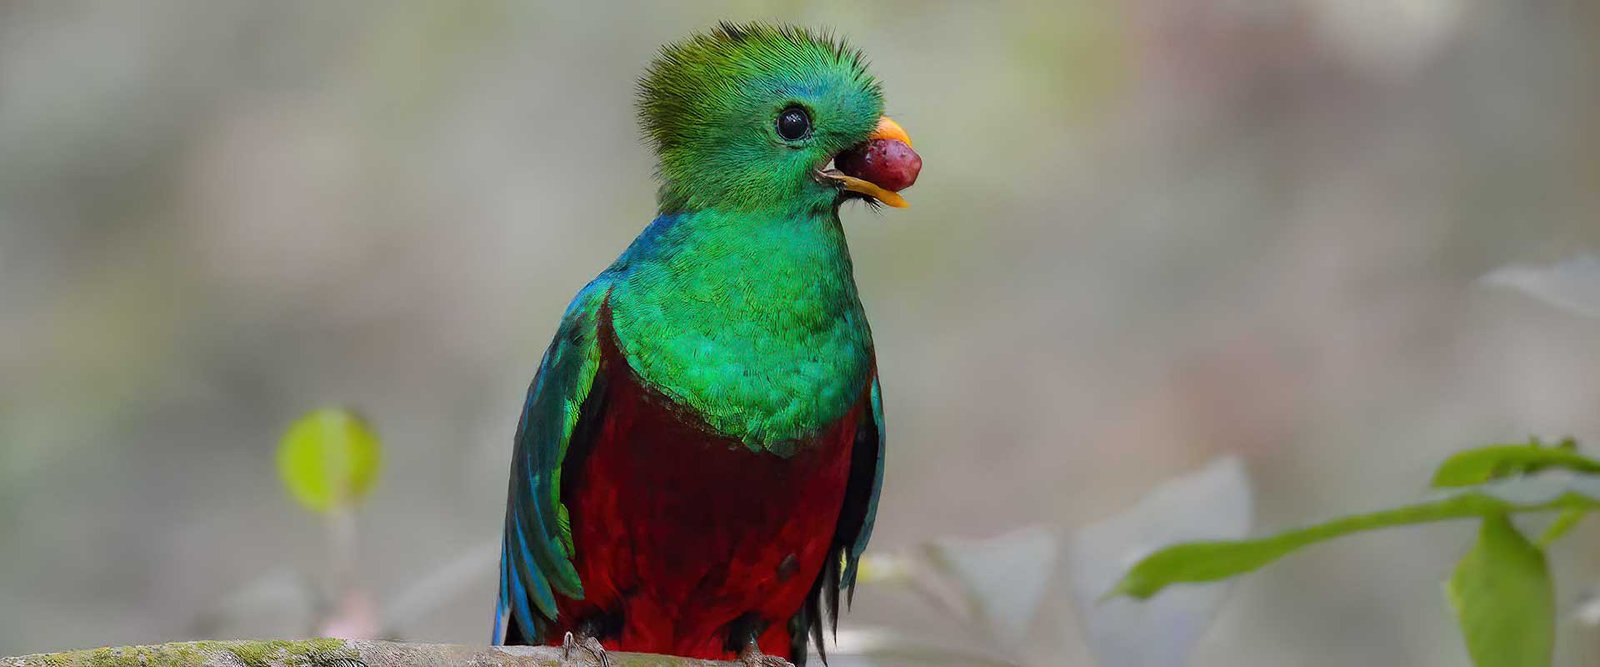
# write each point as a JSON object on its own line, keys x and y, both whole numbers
{"x": 888, "y": 163}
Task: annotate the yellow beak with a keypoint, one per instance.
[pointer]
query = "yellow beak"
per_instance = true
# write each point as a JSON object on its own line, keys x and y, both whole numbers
{"x": 888, "y": 129}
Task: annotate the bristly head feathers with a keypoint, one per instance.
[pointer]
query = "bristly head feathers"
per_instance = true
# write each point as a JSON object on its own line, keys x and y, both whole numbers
{"x": 709, "y": 105}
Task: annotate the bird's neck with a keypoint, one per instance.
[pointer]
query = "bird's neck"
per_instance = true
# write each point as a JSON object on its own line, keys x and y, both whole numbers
{"x": 745, "y": 262}
{"x": 751, "y": 319}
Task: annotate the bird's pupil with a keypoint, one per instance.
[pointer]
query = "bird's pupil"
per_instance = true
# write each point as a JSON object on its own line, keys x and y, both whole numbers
{"x": 793, "y": 124}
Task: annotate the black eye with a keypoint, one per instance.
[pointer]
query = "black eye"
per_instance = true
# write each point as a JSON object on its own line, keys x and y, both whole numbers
{"x": 794, "y": 124}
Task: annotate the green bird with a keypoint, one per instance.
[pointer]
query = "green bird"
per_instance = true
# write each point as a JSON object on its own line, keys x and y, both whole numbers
{"x": 698, "y": 462}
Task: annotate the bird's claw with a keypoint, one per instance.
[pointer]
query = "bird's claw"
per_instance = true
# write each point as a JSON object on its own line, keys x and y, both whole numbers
{"x": 589, "y": 644}
{"x": 752, "y": 656}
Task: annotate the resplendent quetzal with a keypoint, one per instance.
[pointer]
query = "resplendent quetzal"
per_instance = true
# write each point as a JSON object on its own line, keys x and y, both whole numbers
{"x": 698, "y": 462}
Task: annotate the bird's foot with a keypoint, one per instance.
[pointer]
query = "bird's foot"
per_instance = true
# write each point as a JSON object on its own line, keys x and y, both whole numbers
{"x": 589, "y": 644}
{"x": 752, "y": 656}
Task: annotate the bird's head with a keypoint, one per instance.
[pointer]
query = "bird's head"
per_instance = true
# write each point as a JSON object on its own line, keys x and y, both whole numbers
{"x": 750, "y": 117}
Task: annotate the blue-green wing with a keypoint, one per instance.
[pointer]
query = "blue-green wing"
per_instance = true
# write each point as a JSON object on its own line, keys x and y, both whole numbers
{"x": 866, "y": 481}
{"x": 536, "y": 553}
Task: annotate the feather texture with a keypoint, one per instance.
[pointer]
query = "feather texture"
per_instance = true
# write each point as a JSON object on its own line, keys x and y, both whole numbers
{"x": 700, "y": 454}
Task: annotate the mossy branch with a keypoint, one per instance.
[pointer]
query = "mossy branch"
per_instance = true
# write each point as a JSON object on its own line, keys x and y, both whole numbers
{"x": 337, "y": 653}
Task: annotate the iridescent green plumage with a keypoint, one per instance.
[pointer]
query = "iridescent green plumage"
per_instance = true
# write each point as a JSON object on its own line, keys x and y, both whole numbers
{"x": 752, "y": 320}
{"x": 707, "y": 105}
{"x": 737, "y": 306}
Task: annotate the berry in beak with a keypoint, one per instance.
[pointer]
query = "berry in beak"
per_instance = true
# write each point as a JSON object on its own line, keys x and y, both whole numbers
{"x": 880, "y": 167}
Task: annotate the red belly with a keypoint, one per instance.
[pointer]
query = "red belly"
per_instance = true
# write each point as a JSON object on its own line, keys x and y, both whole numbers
{"x": 680, "y": 532}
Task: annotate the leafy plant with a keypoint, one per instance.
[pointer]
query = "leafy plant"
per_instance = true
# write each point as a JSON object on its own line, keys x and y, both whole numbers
{"x": 1501, "y": 590}
{"x": 328, "y": 459}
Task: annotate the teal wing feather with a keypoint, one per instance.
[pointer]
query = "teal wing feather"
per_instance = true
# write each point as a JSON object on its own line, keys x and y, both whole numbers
{"x": 872, "y": 437}
{"x": 536, "y": 552}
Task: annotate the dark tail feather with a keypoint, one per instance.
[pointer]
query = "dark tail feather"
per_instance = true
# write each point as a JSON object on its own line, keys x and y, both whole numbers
{"x": 806, "y": 628}
{"x": 514, "y": 635}
{"x": 830, "y": 588}
{"x": 821, "y": 608}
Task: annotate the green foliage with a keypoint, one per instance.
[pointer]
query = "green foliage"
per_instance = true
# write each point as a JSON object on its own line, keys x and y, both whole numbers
{"x": 329, "y": 458}
{"x": 1503, "y": 598}
{"x": 1567, "y": 520}
{"x": 1195, "y": 562}
{"x": 1476, "y": 466}
{"x": 1501, "y": 590}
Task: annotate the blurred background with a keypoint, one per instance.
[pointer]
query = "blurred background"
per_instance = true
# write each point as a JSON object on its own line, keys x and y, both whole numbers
{"x": 1149, "y": 233}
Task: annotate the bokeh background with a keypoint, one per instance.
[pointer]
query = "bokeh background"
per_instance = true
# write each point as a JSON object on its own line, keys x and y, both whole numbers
{"x": 1149, "y": 233}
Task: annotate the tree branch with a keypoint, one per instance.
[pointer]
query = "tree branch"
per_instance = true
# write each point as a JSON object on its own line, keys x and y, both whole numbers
{"x": 337, "y": 653}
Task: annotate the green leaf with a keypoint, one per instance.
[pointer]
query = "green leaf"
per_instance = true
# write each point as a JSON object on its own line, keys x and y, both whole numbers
{"x": 1503, "y": 598}
{"x": 328, "y": 458}
{"x": 1476, "y": 466}
{"x": 1564, "y": 523}
{"x": 1194, "y": 562}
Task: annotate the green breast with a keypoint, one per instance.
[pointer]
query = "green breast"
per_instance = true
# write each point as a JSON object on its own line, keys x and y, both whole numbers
{"x": 754, "y": 324}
